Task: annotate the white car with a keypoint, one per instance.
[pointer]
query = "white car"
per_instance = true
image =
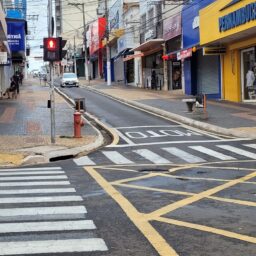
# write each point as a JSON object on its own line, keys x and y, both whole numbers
{"x": 69, "y": 80}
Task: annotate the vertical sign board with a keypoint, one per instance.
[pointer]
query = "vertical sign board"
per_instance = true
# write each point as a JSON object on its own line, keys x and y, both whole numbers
{"x": 16, "y": 35}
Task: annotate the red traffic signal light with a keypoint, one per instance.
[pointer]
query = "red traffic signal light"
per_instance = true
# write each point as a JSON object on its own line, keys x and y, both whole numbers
{"x": 53, "y": 49}
{"x": 51, "y": 44}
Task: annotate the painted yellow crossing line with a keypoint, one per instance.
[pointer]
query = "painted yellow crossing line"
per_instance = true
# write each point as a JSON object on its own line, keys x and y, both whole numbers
{"x": 187, "y": 201}
{"x": 156, "y": 240}
{"x": 207, "y": 229}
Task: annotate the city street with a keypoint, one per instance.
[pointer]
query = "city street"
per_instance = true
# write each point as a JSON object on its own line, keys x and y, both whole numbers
{"x": 163, "y": 189}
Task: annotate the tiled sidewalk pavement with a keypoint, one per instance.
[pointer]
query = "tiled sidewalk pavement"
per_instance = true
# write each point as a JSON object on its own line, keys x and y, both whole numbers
{"x": 25, "y": 123}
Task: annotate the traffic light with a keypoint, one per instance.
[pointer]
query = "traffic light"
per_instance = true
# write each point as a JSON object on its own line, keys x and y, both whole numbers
{"x": 53, "y": 49}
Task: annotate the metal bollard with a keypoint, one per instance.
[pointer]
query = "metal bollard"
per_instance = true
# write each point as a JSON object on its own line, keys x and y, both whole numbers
{"x": 78, "y": 123}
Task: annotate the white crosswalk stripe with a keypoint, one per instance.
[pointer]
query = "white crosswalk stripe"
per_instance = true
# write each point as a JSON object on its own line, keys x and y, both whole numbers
{"x": 9, "y": 173}
{"x": 238, "y": 151}
{"x": 37, "y": 191}
{"x": 250, "y": 145}
{"x": 36, "y": 211}
{"x": 46, "y": 226}
{"x": 82, "y": 161}
{"x": 62, "y": 218}
{"x": 116, "y": 157}
{"x": 19, "y": 200}
{"x": 59, "y": 177}
{"x": 53, "y": 246}
{"x": 187, "y": 157}
{"x": 39, "y": 183}
{"x": 211, "y": 152}
{"x": 151, "y": 156}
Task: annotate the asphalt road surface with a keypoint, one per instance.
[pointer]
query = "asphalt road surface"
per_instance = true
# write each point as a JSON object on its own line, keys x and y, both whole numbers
{"x": 164, "y": 189}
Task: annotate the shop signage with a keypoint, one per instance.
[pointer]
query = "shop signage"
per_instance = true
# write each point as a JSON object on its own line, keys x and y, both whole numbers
{"x": 214, "y": 50}
{"x": 237, "y": 18}
{"x": 196, "y": 22}
{"x": 16, "y": 35}
{"x": 3, "y": 57}
{"x": 172, "y": 27}
{"x": 150, "y": 34}
{"x": 233, "y": 2}
{"x": 184, "y": 54}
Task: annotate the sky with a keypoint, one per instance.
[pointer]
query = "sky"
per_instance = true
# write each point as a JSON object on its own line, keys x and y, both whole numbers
{"x": 39, "y": 30}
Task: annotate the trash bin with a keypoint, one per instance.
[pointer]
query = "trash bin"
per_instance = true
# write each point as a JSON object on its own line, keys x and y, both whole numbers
{"x": 80, "y": 104}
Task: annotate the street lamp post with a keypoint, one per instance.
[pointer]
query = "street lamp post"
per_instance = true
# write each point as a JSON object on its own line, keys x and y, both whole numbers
{"x": 86, "y": 68}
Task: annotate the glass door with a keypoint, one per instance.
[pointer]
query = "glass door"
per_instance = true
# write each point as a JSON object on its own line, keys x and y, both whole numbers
{"x": 248, "y": 68}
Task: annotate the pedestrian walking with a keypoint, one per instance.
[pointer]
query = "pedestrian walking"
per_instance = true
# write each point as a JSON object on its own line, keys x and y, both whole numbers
{"x": 16, "y": 79}
{"x": 12, "y": 89}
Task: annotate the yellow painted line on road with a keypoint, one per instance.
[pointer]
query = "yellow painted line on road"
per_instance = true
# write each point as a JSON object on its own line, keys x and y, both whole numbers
{"x": 221, "y": 199}
{"x": 119, "y": 169}
{"x": 208, "y": 229}
{"x": 226, "y": 168}
{"x": 199, "y": 178}
{"x": 197, "y": 197}
{"x": 183, "y": 167}
{"x": 156, "y": 240}
{"x": 147, "y": 176}
{"x": 156, "y": 189}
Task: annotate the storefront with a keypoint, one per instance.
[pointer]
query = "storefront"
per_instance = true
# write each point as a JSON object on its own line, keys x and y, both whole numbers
{"x": 233, "y": 28}
{"x": 96, "y": 34}
{"x": 201, "y": 72}
{"x": 152, "y": 63}
{"x": 172, "y": 37}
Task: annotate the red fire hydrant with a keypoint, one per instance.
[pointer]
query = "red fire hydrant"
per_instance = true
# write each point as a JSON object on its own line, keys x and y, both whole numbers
{"x": 78, "y": 123}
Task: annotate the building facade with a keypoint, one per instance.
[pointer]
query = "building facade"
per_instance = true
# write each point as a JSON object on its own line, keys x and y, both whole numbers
{"x": 233, "y": 28}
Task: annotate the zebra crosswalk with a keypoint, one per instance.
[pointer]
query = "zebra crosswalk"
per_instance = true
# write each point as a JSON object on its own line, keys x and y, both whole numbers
{"x": 168, "y": 155}
{"x": 52, "y": 209}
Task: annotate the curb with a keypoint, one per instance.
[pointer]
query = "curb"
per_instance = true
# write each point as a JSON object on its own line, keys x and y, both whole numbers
{"x": 184, "y": 120}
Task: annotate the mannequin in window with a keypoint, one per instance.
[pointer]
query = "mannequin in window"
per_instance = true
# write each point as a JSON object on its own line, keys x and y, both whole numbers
{"x": 250, "y": 78}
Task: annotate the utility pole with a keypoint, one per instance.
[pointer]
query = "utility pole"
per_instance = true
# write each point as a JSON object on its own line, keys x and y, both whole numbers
{"x": 52, "y": 97}
{"x": 107, "y": 46}
{"x": 75, "y": 55}
{"x": 86, "y": 68}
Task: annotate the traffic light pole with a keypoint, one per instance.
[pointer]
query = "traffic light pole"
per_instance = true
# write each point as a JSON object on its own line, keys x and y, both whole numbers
{"x": 52, "y": 96}
{"x": 107, "y": 46}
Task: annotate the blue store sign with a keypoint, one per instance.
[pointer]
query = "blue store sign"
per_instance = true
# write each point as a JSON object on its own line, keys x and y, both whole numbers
{"x": 190, "y": 22}
{"x": 16, "y": 35}
{"x": 238, "y": 17}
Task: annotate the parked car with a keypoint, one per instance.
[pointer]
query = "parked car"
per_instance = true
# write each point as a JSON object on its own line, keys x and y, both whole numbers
{"x": 69, "y": 80}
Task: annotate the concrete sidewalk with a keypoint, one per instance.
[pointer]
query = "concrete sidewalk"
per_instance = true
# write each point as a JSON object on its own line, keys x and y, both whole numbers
{"x": 226, "y": 118}
{"x": 25, "y": 128}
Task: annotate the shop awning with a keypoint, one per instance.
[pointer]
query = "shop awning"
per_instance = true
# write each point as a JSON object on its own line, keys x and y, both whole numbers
{"x": 125, "y": 52}
{"x": 149, "y": 45}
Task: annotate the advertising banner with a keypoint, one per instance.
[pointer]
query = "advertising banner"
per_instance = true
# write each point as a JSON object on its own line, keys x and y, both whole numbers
{"x": 172, "y": 27}
{"x": 16, "y": 35}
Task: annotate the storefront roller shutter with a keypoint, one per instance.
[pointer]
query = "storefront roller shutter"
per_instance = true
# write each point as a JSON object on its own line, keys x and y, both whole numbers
{"x": 207, "y": 74}
{"x": 119, "y": 69}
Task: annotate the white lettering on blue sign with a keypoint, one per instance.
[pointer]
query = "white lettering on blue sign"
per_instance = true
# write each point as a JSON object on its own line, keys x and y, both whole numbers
{"x": 238, "y": 17}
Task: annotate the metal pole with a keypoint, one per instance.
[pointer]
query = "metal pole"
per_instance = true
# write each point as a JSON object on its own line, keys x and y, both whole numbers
{"x": 52, "y": 97}
{"x": 75, "y": 55}
{"x": 85, "y": 48}
{"x": 107, "y": 46}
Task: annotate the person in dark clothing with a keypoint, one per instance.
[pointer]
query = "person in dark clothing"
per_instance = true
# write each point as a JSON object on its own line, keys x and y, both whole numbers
{"x": 21, "y": 77}
{"x": 12, "y": 89}
{"x": 16, "y": 79}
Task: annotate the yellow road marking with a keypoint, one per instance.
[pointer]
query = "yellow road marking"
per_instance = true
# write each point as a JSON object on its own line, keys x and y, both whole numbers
{"x": 119, "y": 169}
{"x": 227, "y": 168}
{"x": 182, "y": 168}
{"x": 157, "y": 241}
{"x": 221, "y": 199}
{"x": 150, "y": 175}
{"x": 197, "y": 178}
{"x": 197, "y": 197}
{"x": 207, "y": 229}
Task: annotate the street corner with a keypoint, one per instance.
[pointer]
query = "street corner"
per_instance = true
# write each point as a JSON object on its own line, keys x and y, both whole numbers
{"x": 11, "y": 159}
